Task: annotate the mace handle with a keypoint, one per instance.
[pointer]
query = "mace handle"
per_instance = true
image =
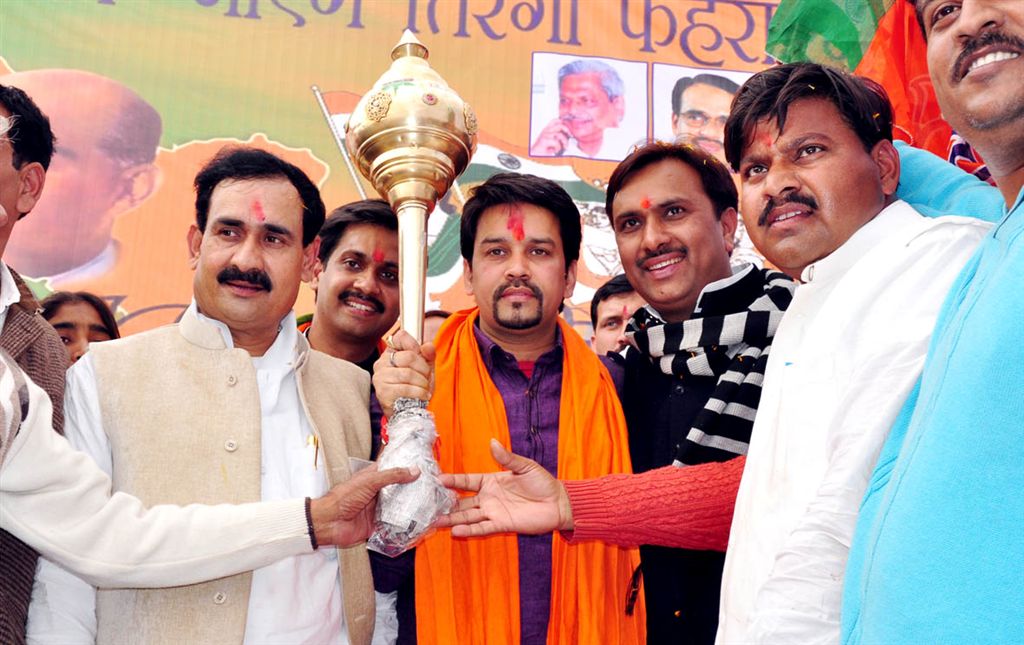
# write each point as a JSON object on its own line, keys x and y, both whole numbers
{"x": 412, "y": 267}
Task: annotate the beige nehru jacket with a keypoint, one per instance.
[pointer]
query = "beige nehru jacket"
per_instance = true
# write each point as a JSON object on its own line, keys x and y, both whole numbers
{"x": 182, "y": 413}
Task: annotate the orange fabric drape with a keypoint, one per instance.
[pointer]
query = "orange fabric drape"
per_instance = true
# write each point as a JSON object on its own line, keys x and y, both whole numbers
{"x": 896, "y": 58}
{"x": 467, "y": 590}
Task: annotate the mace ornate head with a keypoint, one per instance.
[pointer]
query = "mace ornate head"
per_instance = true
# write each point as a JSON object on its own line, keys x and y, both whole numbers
{"x": 411, "y": 135}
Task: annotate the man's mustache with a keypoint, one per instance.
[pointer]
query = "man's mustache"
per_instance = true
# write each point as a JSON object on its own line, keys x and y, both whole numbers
{"x": 518, "y": 284}
{"x": 984, "y": 40}
{"x": 350, "y": 293}
{"x": 663, "y": 250}
{"x": 794, "y": 198}
{"x": 255, "y": 277}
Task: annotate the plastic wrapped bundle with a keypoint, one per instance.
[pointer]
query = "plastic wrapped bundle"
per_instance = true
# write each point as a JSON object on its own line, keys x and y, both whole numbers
{"x": 406, "y": 511}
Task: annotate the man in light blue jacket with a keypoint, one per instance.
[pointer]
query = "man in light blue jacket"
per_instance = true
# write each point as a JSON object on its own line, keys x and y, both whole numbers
{"x": 938, "y": 554}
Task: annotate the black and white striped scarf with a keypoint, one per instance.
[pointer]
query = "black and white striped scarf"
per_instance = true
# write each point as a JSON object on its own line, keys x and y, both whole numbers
{"x": 732, "y": 347}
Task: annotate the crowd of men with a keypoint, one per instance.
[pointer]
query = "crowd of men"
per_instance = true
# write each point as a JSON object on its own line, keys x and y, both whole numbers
{"x": 823, "y": 452}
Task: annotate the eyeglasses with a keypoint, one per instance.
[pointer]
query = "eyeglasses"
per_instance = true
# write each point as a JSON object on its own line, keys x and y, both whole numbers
{"x": 699, "y": 119}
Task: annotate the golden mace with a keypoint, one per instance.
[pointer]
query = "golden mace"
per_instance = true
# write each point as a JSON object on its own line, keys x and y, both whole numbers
{"x": 411, "y": 136}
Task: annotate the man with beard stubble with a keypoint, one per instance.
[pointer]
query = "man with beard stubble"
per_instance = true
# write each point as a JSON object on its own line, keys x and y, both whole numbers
{"x": 511, "y": 368}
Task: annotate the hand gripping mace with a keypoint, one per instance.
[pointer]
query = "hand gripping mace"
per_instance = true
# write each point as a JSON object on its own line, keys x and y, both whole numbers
{"x": 411, "y": 136}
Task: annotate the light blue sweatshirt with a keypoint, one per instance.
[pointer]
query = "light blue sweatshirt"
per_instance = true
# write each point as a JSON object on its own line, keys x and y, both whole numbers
{"x": 938, "y": 554}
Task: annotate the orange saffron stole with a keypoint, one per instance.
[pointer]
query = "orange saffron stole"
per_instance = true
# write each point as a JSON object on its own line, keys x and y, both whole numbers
{"x": 467, "y": 590}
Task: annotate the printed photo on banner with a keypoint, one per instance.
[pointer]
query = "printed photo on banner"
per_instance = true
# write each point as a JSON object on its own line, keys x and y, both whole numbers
{"x": 692, "y": 103}
{"x": 593, "y": 108}
{"x": 102, "y": 168}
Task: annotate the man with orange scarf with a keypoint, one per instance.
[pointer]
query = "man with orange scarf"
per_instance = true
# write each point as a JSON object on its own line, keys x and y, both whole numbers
{"x": 514, "y": 370}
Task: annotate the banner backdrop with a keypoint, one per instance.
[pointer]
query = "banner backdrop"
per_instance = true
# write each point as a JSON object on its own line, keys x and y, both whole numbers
{"x": 141, "y": 92}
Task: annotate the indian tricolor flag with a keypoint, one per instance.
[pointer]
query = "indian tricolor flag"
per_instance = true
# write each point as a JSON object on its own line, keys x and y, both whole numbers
{"x": 879, "y": 39}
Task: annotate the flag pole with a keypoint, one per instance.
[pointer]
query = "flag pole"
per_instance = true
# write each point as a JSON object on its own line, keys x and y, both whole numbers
{"x": 340, "y": 142}
{"x": 458, "y": 191}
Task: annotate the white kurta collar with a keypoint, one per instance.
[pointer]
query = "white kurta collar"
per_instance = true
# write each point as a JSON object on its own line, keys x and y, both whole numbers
{"x": 287, "y": 346}
{"x": 888, "y": 222}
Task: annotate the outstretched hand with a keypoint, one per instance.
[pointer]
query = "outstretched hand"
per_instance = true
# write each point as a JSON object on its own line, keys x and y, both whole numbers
{"x": 524, "y": 498}
{"x": 344, "y": 516}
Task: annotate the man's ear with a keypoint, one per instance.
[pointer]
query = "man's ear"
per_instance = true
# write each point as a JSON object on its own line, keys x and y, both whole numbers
{"x": 728, "y": 223}
{"x": 887, "y": 158}
{"x": 318, "y": 268}
{"x": 137, "y": 184}
{"x": 31, "y": 178}
{"x": 467, "y": 277}
{"x": 310, "y": 260}
{"x": 570, "y": 280}
{"x": 195, "y": 241}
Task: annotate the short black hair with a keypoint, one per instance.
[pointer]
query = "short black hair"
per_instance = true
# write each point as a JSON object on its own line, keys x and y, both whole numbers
{"x": 30, "y": 133}
{"x": 53, "y": 303}
{"x": 242, "y": 163}
{"x": 714, "y": 176}
{"x": 686, "y": 82}
{"x": 368, "y": 211}
{"x": 509, "y": 188}
{"x": 861, "y": 102}
{"x": 617, "y": 285}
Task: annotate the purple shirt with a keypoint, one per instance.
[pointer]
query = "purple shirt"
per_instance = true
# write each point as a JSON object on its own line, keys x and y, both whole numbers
{"x": 532, "y": 408}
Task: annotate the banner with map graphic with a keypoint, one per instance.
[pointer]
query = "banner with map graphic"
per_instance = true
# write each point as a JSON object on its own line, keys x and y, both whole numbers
{"x": 142, "y": 92}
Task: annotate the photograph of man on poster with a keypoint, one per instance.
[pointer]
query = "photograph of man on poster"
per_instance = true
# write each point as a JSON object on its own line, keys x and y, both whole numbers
{"x": 700, "y": 108}
{"x": 107, "y": 138}
{"x": 590, "y": 116}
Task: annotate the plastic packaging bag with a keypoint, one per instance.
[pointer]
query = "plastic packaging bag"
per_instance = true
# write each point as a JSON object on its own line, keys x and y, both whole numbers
{"x": 406, "y": 511}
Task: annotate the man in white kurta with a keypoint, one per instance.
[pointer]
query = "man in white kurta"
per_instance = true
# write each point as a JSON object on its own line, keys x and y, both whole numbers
{"x": 847, "y": 353}
{"x": 229, "y": 405}
{"x": 298, "y": 598}
{"x": 818, "y": 201}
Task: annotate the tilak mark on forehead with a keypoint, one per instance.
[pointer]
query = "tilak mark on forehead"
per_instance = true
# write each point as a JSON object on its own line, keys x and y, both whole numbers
{"x": 378, "y": 255}
{"x": 645, "y": 202}
{"x": 257, "y": 210}
{"x": 515, "y": 222}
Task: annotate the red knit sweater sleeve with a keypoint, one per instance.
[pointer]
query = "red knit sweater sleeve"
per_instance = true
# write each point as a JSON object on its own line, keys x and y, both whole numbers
{"x": 688, "y": 508}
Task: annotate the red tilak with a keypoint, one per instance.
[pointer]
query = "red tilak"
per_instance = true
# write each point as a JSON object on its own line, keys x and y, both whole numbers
{"x": 378, "y": 256}
{"x": 645, "y": 202}
{"x": 515, "y": 222}
{"x": 257, "y": 209}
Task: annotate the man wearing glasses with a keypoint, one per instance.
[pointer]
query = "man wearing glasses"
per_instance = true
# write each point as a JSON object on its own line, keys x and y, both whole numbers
{"x": 700, "y": 107}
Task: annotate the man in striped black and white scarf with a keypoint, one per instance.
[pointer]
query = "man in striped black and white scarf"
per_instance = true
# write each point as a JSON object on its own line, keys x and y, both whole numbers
{"x": 698, "y": 351}
{"x": 730, "y": 349}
